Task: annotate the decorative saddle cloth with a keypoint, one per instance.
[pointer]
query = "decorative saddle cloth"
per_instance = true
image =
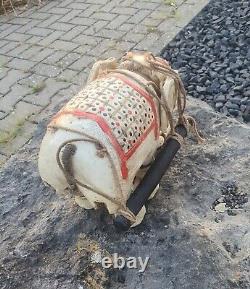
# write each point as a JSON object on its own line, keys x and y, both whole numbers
{"x": 123, "y": 110}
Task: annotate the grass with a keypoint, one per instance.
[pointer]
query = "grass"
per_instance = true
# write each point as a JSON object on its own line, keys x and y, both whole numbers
{"x": 7, "y": 6}
{"x": 37, "y": 87}
{"x": 174, "y": 14}
{"x": 153, "y": 29}
{"x": 6, "y": 137}
{"x": 170, "y": 2}
{"x": 62, "y": 79}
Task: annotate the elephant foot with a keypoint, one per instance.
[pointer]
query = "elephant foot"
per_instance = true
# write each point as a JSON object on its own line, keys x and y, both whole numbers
{"x": 83, "y": 203}
{"x": 139, "y": 217}
{"x": 154, "y": 192}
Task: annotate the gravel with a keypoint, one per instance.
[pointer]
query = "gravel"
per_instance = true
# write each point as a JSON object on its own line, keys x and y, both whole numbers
{"x": 47, "y": 242}
{"x": 213, "y": 57}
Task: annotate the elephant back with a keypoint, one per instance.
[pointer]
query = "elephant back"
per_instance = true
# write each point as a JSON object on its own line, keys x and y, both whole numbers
{"x": 122, "y": 108}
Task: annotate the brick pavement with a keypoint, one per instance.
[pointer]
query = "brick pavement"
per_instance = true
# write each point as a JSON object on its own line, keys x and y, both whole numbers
{"x": 46, "y": 52}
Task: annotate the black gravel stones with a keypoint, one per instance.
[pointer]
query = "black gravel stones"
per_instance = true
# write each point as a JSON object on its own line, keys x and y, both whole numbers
{"x": 231, "y": 197}
{"x": 212, "y": 54}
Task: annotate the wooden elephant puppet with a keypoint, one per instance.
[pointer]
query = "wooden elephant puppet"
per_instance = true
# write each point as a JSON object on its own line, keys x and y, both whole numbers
{"x": 99, "y": 146}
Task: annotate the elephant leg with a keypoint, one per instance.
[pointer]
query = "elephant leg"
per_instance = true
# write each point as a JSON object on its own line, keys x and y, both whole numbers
{"x": 83, "y": 203}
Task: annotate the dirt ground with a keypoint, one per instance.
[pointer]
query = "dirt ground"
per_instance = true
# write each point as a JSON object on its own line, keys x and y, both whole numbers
{"x": 47, "y": 242}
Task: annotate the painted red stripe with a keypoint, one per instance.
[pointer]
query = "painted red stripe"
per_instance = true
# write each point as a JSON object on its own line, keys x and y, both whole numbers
{"x": 106, "y": 129}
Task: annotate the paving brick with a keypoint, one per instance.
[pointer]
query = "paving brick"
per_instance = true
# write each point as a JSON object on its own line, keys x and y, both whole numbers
{"x": 29, "y": 26}
{"x": 11, "y": 78}
{"x": 19, "y": 37}
{"x": 186, "y": 12}
{"x": 8, "y": 47}
{"x": 50, "y": 5}
{"x": 82, "y": 77}
{"x": 133, "y": 37}
{"x": 22, "y": 111}
{"x": 82, "y": 21}
{"x": 21, "y": 64}
{"x": 82, "y": 63}
{"x": 4, "y": 26}
{"x": 59, "y": 10}
{"x": 47, "y": 70}
{"x": 114, "y": 52}
{"x": 4, "y": 59}
{"x": 128, "y": 3}
{"x": 164, "y": 39}
{"x": 73, "y": 33}
{"x": 110, "y": 34}
{"x": 139, "y": 16}
{"x": 72, "y": 14}
{"x": 163, "y": 13}
{"x": 64, "y": 45}
{"x": 68, "y": 59}
{"x": 32, "y": 80}
{"x": 168, "y": 25}
{"x": 64, "y": 3}
{"x": 147, "y": 42}
{"x": 34, "y": 40}
{"x": 103, "y": 46}
{"x": 83, "y": 49}
{"x": 139, "y": 28}
{"x": 104, "y": 16}
{"x": 149, "y": 5}
{"x": 44, "y": 96}
{"x": 51, "y": 38}
{"x": 117, "y": 22}
{"x": 61, "y": 26}
{"x": 77, "y": 5}
{"x": 67, "y": 75}
{"x": 59, "y": 99}
{"x": 125, "y": 46}
{"x": 3, "y": 42}
{"x": 19, "y": 20}
{"x": 86, "y": 39}
{"x": 96, "y": 27}
{"x": 18, "y": 50}
{"x": 3, "y": 73}
{"x": 39, "y": 15}
{"x": 8, "y": 30}
{"x": 38, "y": 31}
{"x": 91, "y": 10}
{"x": 47, "y": 23}
{"x": 43, "y": 54}
{"x": 124, "y": 10}
{"x": 17, "y": 92}
{"x": 109, "y": 6}
{"x": 96, "y": 1}
{"x": 54, "y": 57}
{"x": 126, "y": 27}
{"x": 151, "y": 22}
{"x": 31, "y": 52}
{"x": 24, "y": 133}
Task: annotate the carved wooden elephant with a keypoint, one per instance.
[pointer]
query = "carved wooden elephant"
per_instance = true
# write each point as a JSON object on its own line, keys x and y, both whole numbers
{"x": 102, "y": 141}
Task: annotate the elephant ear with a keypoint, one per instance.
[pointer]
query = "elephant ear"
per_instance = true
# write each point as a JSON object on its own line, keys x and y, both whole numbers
{"x": 169, "y": 97}
{"x": 101, "y": 67}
